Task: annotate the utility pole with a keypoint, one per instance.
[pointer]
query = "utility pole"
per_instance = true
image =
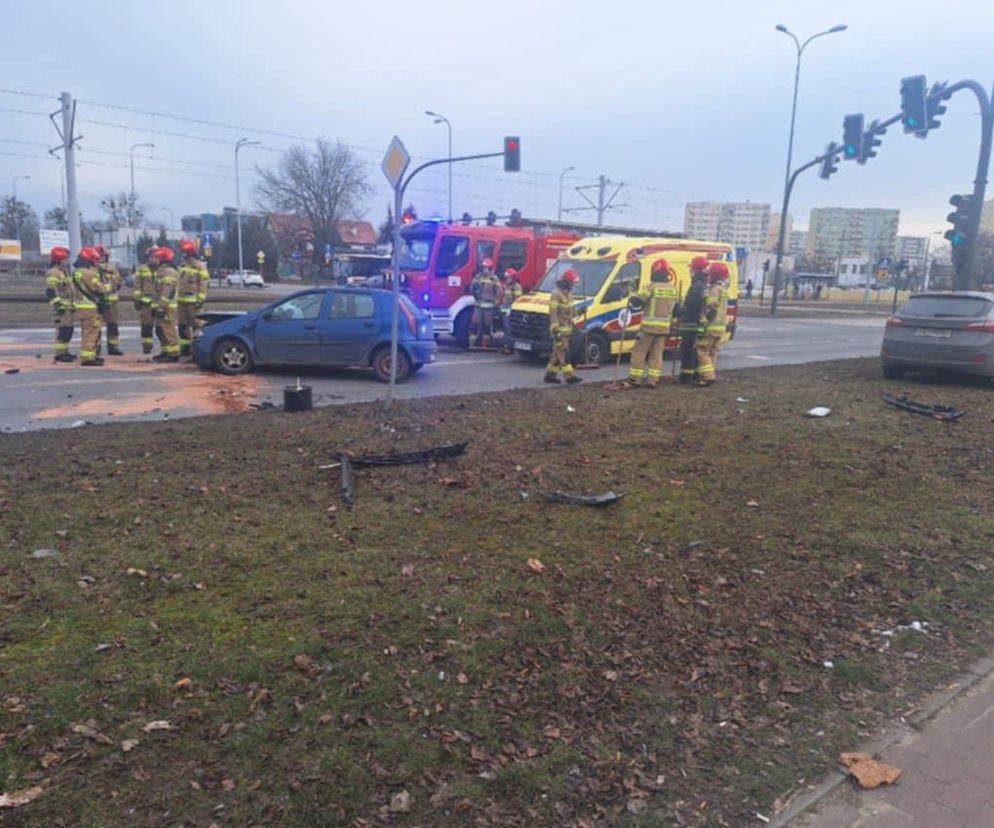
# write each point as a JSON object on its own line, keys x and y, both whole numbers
{"x": 602, "y": 205}
{"x": 72, "y": 198}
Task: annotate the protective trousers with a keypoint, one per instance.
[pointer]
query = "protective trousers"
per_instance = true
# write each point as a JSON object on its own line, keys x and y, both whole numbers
{"x": 483, "y": 324}
{"x": 559, "y": 361}
{"x": 147, "y": 322}
{"x": 186, "y": 318}
{"x": 707, "y": 357}
{"x": 647, "y": 359}
{"x": 688, "y": 355}
{"x": 113, "y": 331}
{"x": 165, "y": 329}
{"x": 63, "y": 333}
{"x": 89, "y": 319}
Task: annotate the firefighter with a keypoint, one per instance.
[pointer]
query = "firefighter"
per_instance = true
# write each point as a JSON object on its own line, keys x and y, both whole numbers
{"x": 61, "y": 292}
{"x": 561, "y": 329}
{"x": 485, "y": 288}
{"x": 193, "y": 279}
{"x": 714, "y": 320}
{"x": 658, "y": 301}
{"x": 512, "y": 290}
{"x": 111, "y": 279}
{"x": 90, "y": 304}
{"x": 690, "y": 318}
{"x": 164, "y": 305}
{"x": 143, "y": 294}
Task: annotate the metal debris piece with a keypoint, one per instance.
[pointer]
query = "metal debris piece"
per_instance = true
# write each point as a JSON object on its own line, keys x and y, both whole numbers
{"x": 13, "y": 371}
{"x": 343, "y": 458}
{"x": 409, "y": 458}
{"x": 819, "y": 411}
{"x": 937, "y": 412}
{"x": 605, "y": 499}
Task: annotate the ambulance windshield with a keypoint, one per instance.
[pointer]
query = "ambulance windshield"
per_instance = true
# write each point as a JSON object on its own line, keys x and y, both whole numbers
{"x": 592, "y": 275}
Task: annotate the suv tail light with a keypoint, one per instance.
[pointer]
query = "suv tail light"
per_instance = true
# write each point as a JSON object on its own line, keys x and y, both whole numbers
{"x": 894, "y": 322}
{"x": 981, "y": 327}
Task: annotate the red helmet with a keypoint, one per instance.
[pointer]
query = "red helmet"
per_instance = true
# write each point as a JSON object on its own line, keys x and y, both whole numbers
{"x": 58, "y": 254}
{"x": 698, "y": 263}
{"x": 163, "y": 254}
{"x": 511, "y": 273}
{"x": 717, "y": 272}
{"x": 570, "y": 277}
{"x": 90, "y": 254}
{"x": 488, "y": 263}
{"x": 660, "y": 265}
{"x": 188, "y": 247}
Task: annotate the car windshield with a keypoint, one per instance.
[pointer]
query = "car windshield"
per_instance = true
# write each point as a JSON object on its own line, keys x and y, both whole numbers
{"x": 416, "y": 251}
{"x": 965, "y": 307}
{"x": 592, "y": 275}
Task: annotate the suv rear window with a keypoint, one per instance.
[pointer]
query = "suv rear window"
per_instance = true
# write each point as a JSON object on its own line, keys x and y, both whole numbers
{"x": 966, "y": 307}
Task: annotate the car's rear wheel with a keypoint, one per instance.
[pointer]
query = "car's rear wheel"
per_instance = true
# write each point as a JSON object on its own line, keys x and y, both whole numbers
{"x": 232, "y": 356}
{"x": 460, "y": 330}
{"x": 381, "y": 364}
{"x": 894, "y": 372}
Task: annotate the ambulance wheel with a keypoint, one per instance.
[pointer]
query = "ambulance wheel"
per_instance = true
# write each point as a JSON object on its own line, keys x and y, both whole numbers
{"x": 598, "y": 351}
{"x": 460, "y": 330}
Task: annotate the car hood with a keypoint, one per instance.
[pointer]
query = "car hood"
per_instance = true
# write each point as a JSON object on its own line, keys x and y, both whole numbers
{"x": 235, "y": 323}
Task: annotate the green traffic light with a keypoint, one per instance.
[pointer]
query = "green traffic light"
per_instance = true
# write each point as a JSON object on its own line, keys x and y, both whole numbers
{"x": 850, "y": 149}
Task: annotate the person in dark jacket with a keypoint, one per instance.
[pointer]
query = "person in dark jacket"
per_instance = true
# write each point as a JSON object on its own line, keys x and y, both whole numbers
{"x": 689, "y": 319}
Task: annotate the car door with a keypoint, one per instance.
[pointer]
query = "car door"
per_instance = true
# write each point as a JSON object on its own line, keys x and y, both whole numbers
{"x": 349, "y": 326}
{"x": 287, "y": 333}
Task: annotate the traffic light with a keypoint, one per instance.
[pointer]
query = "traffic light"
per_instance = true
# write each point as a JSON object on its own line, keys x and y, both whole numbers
{"x": 913, "y": 108}
{"x": 830, "y": 162}
{"x": 934, "y": 107}
{"x": 960, "y": 219}
{"x": 870, "y": 142}
{"x": 512, "y": 153}
{"x": 852, "y": 136}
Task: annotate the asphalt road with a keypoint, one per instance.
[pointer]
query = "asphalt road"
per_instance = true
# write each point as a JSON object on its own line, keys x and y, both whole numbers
{"x": 37, "y": 393}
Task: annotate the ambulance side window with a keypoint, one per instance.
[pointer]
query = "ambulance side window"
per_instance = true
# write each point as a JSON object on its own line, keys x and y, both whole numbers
{"x": 625, "y": 281}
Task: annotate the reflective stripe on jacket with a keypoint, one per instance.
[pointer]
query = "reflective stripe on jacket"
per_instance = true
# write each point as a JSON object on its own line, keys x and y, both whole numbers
{"x": 166, "y": 280}
{"x": 716, "y": 309}
{"x": 90, "y": 288}
{"x": 560, "y": 313}
{"x": 659, "y": 299}
{"x": 193, "y": 280}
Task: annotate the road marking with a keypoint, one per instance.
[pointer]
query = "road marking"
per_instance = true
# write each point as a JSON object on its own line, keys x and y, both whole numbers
{"x": 138, "y": 378}
{"x": 758, "y": 356}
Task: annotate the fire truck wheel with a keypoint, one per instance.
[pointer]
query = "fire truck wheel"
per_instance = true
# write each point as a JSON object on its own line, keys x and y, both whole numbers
{"x": 460, "y": 330}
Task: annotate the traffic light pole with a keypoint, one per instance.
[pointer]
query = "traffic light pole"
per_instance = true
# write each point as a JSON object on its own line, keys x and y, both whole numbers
{"x": 398, "y": 209}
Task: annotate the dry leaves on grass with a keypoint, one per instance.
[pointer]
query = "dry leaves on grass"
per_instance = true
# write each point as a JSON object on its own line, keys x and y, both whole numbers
{"x": 21, "y": 797}
{"x": 158, "y": 724}
{"x": 536, "y": 566}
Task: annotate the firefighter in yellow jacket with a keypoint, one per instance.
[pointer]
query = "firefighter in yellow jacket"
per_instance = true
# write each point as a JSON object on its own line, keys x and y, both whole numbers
{"x": 561, "y": 329}
{"x": 143, "y": 293}
{"x": 164, "y": 304}
{"x": 61, "y": 292}
{"x": 111, "y": 278}
{"x": 192, "y": 293}
{"x": 658, "y": 301}
{"x": 511, "y": 291}
{"x": 714, "y": 321}
{"x": 90, "y": 304}
{"x": 486, "y": 289}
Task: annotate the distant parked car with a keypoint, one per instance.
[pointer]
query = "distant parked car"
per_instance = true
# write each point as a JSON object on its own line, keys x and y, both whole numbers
{"x": 245, "y": 278}
{"x": 951, "y": 331}
{"x": 338, "y": 326}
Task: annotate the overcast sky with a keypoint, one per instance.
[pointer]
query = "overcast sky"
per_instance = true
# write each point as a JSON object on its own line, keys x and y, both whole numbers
{"x": 680, "y": 101}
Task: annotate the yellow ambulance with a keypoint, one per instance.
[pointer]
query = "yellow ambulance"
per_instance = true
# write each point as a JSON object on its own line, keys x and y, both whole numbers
{"x": 609, "y": 268}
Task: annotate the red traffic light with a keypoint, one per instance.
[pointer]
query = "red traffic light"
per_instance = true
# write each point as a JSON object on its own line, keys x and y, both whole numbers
{"x": 512, "y": 153}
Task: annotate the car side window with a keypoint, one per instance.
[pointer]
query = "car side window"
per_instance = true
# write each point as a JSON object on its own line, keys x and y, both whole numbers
{"x": 453, "y": 253}
{"x": 628, "y": 275}
{"x": 307, "y": 306}
{"x": 352, "y": 306}
{"x": 513, "y": 253}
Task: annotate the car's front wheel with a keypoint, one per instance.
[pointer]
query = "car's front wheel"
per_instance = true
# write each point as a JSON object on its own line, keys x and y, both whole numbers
{"x": 232, "y": 356}
{"x": 381, "y": 364}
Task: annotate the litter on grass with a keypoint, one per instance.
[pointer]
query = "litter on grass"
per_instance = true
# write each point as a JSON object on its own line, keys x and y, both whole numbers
{"x": 411, "y": 457}
{"x": 868, "y": 771}
{"x": 605, "y": 499}
{"x": 818, "y": 411}
{"x": 937, "y": 412}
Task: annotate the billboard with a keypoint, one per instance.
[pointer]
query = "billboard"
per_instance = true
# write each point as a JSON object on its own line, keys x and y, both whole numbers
{"x": 52, "y": 238}
{"x": 10, "y": 250}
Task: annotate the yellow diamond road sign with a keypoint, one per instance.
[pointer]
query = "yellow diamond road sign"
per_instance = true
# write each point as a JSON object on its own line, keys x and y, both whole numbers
{"x": 395, "y": 161}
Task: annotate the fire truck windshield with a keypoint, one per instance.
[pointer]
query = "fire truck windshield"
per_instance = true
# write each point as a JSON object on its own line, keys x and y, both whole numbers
{"x": 592, "y": 275}
{"x": 416, "y": 252}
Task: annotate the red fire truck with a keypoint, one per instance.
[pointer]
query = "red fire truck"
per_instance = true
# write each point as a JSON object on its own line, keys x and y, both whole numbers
{"x": 439, "y": 260}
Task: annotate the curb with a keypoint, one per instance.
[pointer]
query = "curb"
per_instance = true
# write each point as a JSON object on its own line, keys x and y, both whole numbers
{"x": 934, "y": 704}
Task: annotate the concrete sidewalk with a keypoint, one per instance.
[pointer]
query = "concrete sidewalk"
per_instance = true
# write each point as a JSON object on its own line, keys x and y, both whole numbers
{"x": 947, "y": 759}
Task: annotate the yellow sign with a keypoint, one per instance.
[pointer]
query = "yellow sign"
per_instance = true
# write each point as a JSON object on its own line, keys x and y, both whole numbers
{"x": 10, "y": 249}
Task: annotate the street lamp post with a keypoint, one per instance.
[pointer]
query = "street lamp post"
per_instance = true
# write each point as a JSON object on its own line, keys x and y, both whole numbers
{"x": 562, "y": 175}
{"x": 242, "y": 142}
{"x": 790, "y": 151}
{"x": 131, "y": 204}
{"x": 441, "y": 119}
{"x": 17, "y": 216}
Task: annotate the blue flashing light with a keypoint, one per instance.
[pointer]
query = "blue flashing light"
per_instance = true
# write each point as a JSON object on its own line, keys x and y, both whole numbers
{"x": 425, "y": 297}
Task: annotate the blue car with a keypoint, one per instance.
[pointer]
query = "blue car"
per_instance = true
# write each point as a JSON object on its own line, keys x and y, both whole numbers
{"x": 334, "y": 326}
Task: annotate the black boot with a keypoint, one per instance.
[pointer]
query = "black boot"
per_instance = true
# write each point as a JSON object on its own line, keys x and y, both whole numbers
{"x": 64, "y": 358}
{"x": 113, "y": 350}
{"x": 165, "y": 358}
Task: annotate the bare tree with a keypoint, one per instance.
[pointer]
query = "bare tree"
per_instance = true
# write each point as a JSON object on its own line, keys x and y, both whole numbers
{"x": 121, "y": 209}
{"x": 322, "y": 185}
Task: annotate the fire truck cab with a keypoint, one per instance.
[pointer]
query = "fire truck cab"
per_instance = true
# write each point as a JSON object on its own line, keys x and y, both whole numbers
{"x": 439, "y": 260}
